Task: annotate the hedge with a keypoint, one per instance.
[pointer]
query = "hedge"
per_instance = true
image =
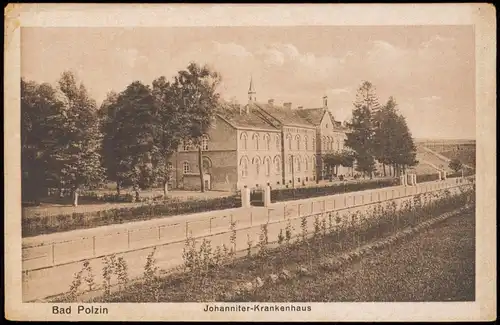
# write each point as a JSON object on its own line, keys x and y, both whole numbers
{"x": 45, "y": 224}
{"x": 309, "y": 192}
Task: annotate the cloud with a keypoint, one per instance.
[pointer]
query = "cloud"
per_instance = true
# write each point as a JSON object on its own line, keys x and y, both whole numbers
{"x": 232, "y": 49}
{"x": 339, "y": 91}
{"x": 436, "y": 40}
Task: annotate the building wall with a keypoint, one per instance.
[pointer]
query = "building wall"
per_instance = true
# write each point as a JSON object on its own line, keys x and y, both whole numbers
{"x": 259, "y": 159}
{"x": 303, "y": 156}
{"x": 219, "y": 160}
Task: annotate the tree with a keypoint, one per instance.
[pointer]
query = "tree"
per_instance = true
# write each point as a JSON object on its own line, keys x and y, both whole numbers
{"x": 405, "y": 151}
{"x": 42, "y": 120}
{"x": 360, "y": 138}
{"x": 135, "y": 120}
{"x": 456, "y": 165}
{"x": 194, "y": 94}
{"x": 80, "y": 155}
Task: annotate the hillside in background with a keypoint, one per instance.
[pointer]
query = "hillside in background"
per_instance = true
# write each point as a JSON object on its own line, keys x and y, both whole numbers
{"x": 436, "y": 154}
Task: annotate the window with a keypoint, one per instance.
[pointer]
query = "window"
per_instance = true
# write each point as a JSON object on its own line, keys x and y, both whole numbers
{"x": 243, "y": 139}
{"x": 244, "y": 167}
{"x": 323, "y": 143}
{"x": 267, "y": 140}
{"x": 278, "y": 142}
{"x": 313, "y": 164}
{"x": 297, "y": 139}
{"x": 255, "y": 139}
{"x": 204, "y": 142}
{"x": 297, "y": 163}
{"x": 268, "y": 166}
{"x": 306, "y": 145}
{"x": 338, "y": 145}
{"x": 187, "y": 145}
{"x": 314, "y": 144}
{"x": 277, "y": 164}
{"x": 289, "y": 138}
{"x": 256, "y": 162}
{"x": 306, "y": 164}
{"x": 185, "y": 167}
{"x": 290, "y": 164}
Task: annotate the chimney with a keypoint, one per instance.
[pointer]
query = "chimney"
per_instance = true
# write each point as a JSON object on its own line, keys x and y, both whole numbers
{"x": 270, "y": 102}
{"x": 287, "y": 105}
{"x": 325, "y": 101}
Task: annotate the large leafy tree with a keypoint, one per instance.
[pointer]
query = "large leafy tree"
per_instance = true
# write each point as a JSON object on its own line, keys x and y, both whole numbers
{"x": 80, "y": 154}
{"x": 360, "y": 138}
{"x": 42, "y": 131}
{"x": 194, "y": 93}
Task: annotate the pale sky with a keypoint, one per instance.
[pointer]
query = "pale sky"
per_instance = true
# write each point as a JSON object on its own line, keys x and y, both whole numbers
{"x": 429, "y": 70}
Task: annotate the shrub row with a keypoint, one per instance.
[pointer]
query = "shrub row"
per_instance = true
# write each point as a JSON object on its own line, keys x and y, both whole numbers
{"x": 309, "y": 192}
{"x": 427, "y": 177}
{"x": 45, "y": 224}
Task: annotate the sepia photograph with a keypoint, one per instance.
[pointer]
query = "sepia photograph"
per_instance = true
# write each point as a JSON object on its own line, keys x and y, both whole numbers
{"x": 238, "y": 169}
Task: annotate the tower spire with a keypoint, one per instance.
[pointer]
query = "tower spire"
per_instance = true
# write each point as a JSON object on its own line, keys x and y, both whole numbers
{"x": 251, "y": 91}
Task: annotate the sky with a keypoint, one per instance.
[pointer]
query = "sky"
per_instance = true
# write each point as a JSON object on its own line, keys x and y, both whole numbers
{"x": 429, "y": 70}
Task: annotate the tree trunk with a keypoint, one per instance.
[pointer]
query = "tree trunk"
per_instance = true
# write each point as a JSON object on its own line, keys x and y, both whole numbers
{"x": 383, "y": 166}
{"x": 200, "y": 165}
{"x": 75, "y": 197}
{"x": 136, "y": 191}
{"x": 165, "y": 188}
{"x": 118, "y": 188}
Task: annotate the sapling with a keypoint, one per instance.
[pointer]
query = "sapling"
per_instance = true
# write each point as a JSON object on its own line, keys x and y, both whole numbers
{"x": 121, "y": 271}
{"x": 89, "y": 277}
{"x": 249, "y": 246}
{"x": 288, "y": 232}
{"x": 281, "y": 237}
{"x": 232, "y": 238}
{"x": 303, "y": 226}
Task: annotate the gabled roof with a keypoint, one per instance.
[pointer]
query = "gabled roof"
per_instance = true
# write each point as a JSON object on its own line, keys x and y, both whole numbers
{"x": 285, "y": 116}
{"x": 243, "y": 120}
{"x": 312, "y": 115}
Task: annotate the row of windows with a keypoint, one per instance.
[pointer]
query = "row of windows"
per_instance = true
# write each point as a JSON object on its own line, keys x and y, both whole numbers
{"x": 294, "y": 163}
{"x": 300, "y": 143}
{"x": 328, "y": 143}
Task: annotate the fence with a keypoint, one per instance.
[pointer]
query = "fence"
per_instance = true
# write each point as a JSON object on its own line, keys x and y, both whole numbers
{"x": 47, "y": 255}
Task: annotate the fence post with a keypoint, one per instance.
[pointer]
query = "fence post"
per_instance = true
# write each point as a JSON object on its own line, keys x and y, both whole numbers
{"x": 93, "y": 245}
{"x": 210, "y": 226}
{"x": 159, "y": 232}
{"x": 187, "y": 225}
{"x": 251, "y": 218}
{"x": 128, "y": 238}
{"x": 53, "y": 254}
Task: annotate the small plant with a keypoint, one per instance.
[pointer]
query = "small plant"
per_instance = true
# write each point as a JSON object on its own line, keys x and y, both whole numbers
{"x": 189, "y": 254}
{"x": 107, "y": 271}
{"x": 303, "y": 227}
{"x": 323, "y": 226}
{"x": 218, "y": 256}
{"x": 151, "y": 278}
{"x": 281, "y": 237}
{"x": 317, "y": 226}
{"x": 225, "y": 252}
{"x": 121, "y": 271}
{"x": 232, "y": 238}
{"x": 249, "y": 246}
{"x": 263, "y": 239}
{"x": 288, "y": 232}
{"x": 75, "y": 285}
{"x": 205, "y": 254}
{"x": 89, "y": 277}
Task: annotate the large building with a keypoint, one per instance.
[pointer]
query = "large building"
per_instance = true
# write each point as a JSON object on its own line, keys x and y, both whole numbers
{"x": 259, "y": 143}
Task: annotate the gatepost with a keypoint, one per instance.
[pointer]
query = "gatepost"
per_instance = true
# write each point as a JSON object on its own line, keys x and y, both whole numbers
{"x": 439, "y": 176}
{"x": 245, "y": 197}
{"x": 414, "y": 179}
{"x": 267, "y": 195}
{"x": 409, "y": 179}
{"x": 402, "y": 180}
{"x": 444, "y": 175}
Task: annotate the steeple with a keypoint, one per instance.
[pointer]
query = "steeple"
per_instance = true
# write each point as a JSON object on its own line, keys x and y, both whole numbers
{"x": 251, "y": 92}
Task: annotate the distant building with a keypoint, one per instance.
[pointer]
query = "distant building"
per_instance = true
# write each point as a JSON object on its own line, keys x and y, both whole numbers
{"x": 261, "y": 143}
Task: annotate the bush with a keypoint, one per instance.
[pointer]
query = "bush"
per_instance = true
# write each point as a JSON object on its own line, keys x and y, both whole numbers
{"x": 45, "y": 224}
{"x": 427, "y": 177}
{"x": 308, "y": 192}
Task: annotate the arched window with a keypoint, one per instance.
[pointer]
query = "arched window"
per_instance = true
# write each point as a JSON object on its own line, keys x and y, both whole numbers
{"x": 268, "y": 166}
{"x": 267, "y": 140}
{"x": 243, "y": 139}
{"x": 297, "y": 164}
{"x": 278, "y": 142}
{"x": 256, "y": 163}
{"x": 306, "y": 164}
{"x": 338, "y": 145}
{"x": 186, "y": 168}
{"x": 314, "y": 144}
{"x": 204, "y": 142}
{"x": 289, "y": 139}
{"x": 290, "y": 164}
{"x": 313, "y": 163}
{"x": 255, "y": 139}
{"x": 207, "y": 164}
{"x": 306, "y": 145}
{"x": 277, "y": 164}
{"x": 297, "y": 139}
{"x": 244, "y": 166}
{"x": 323, "y": 143}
